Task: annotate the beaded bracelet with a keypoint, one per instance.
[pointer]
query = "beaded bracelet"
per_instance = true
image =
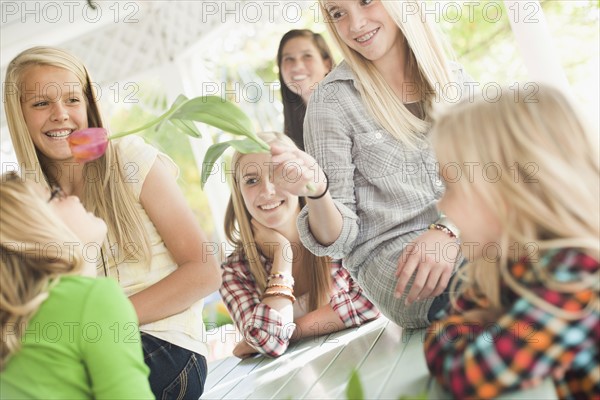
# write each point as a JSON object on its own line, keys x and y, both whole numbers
{"x": 288, "y": 296}
{"x": 280, "y": 273}
{"x": 444, "y": 229}
{"x": 444, "y": 221}
{"x": 287, "y": 279}
{"x": 324, "y": 192}
{"x": 277, "y": 285}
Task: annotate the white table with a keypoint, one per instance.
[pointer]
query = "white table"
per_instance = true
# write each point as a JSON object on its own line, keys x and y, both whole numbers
{"x": 390, "y": 363}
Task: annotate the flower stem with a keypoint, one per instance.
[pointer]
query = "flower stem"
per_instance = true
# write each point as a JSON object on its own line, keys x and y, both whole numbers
{"x": 145, "y": 126}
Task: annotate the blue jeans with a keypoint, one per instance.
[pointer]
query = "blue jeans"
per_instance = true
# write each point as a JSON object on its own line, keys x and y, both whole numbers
{"x": 175, "y": 372}
{"x": 439, "y": 303}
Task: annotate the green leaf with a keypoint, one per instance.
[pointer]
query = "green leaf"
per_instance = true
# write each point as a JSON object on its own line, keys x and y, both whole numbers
{"x": 157, "y": 122}
{"x": 420, "y": 396}
{"x": 187, "y": 127}
{"x": 214, "y": 111}
{"x": 247, "y": 146}
{"x": 212, "y": 155}
{"x": 221, "y": 114}
{"x": 178, "y": 103}
{"x": 354, "y": 391}
{"x": 216, "y": 150}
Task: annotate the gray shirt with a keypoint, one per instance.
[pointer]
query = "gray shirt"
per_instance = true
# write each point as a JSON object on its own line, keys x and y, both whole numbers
{"x": 385, "y": 190}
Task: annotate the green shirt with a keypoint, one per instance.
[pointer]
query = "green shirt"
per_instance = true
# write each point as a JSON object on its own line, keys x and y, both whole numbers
{"x": 83, "y": 342}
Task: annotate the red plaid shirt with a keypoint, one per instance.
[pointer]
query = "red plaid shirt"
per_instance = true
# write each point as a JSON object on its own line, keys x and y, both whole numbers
{"x": 262, "y": 326}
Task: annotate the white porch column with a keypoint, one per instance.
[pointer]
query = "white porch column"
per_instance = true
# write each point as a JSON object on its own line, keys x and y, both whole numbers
{"x": 535, "y": 42}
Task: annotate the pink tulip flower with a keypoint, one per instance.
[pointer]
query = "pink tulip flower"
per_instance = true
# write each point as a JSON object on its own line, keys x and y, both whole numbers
{"x": 88, "y": 144}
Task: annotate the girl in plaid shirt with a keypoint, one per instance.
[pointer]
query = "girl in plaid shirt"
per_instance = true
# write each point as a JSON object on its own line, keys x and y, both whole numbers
{"x": 274, "y": 288}
{"x": 522, "y": 184}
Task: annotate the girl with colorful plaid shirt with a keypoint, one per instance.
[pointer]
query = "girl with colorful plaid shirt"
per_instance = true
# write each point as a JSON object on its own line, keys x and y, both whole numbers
{"x": 522, "y": 185}
{"x": 275, "y": 289}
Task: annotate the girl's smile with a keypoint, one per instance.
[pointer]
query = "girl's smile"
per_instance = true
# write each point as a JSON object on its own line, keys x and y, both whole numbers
{"x": 271, "y": 206}
{"x": 53, "y": 106}
{"x": 302, "y": 66}
{"x": 265, "y": 202}
{"x": 366, "y": 27}
{"x": 365, "y": 39}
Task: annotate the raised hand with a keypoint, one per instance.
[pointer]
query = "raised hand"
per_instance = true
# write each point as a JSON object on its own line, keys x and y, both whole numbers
{"x": 296, "y": 172}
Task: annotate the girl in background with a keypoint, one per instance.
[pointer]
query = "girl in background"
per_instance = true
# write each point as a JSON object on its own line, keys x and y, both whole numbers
{"x": 304, "y": 59}
{"x": 275, "y": 289}
{"x": 527, "y": 306}
{"x": 65, "y": 334}
{"x": 154, "y": 247}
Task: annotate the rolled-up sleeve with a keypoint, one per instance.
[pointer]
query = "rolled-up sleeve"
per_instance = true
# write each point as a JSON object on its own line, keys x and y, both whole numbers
{"x": 348, "y": 299}
{"x": 326, "y": 139}
{"x": 343, "y": 244}
{"x": 261, "y": 325}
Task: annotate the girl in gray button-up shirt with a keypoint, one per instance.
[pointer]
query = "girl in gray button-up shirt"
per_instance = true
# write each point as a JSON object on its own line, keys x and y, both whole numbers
{"x": 366, "y": 127}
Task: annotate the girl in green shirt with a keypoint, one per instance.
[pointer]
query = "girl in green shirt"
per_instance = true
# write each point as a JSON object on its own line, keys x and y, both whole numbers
{"x": 65, "y": 333}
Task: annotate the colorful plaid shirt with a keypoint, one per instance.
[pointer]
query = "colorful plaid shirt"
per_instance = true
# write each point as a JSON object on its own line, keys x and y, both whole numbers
{"x": 262, "y": 326}
{"x": 527, "y": 343}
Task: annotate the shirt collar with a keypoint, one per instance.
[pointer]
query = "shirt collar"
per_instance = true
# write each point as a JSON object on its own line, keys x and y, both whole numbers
{"x": 342, "y": 72}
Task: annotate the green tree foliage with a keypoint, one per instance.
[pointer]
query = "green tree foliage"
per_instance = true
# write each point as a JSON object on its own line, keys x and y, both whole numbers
{"x": 483, "y": 41}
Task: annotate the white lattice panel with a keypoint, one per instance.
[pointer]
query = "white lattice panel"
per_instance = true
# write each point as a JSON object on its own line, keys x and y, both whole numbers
{"x": 163, "y": 30}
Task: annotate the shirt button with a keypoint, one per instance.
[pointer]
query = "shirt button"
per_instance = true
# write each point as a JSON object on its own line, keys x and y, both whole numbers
{"x": 378, "y": 135}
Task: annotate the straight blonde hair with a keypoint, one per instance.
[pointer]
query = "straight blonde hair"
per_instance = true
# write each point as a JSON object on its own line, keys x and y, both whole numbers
{"x": 239, "y": 233}
{"x": 545, "y": 195}
{"x": 28, "y": 267}
{"x": 428, "y": 57}
{"x": 106, "y": 193}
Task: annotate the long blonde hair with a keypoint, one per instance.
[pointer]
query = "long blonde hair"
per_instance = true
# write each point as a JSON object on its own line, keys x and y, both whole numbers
{"x": 428, "y": 57}
{"x": 28, "y": 266}
{"x": 106, "y": 193}
{"x": 239, "y": 233}
{"x": 546, "y": 193}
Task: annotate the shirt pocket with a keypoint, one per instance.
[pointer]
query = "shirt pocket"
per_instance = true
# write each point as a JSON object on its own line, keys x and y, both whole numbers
{"x": 409, "y": 171}
{"x": 377, "y": 154}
